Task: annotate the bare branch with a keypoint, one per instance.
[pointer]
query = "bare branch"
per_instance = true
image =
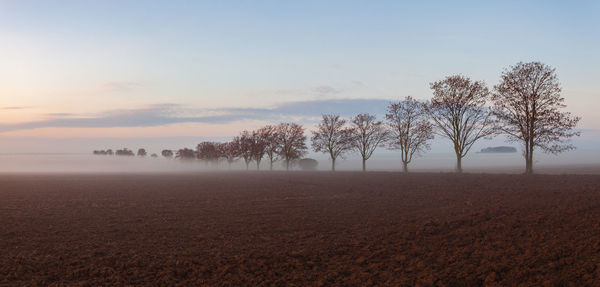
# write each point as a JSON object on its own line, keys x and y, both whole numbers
{"x": 459, "y": 113}
{"x": 527, "y": 104}
{"x": 368, "y": 135}
{"x": 333, "y": 137}
{"x": 410, "y": 130}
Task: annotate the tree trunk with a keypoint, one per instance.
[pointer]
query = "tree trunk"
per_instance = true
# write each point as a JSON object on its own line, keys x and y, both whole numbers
{"x": 405, "y": 167}
{"x": 459, "y": 164}
{"x": 531, "y": 157}
{"x": 333, "y": 164}
{"x": 258, "y": 165}
{"x": 528, "y": 157}
{"x": 364, "y": 161}
{"x": 247, "y": 165}
{"x": 287, "y": 164}
{"x": 529, "y": 163}
{"x": 271, "y": 164}
{"x": 528, "y": 166}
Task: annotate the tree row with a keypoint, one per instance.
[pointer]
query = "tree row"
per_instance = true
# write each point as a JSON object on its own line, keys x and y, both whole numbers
{"x": 526, "y": 107}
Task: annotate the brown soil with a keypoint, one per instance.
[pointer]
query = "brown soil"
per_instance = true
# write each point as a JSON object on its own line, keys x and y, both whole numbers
{"x": 300, "y": 229}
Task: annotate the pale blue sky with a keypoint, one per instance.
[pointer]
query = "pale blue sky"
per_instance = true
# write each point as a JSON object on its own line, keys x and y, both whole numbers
{"x": 66, "y": 60}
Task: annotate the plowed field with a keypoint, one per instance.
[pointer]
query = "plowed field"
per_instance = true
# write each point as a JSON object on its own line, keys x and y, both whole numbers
{"x": 300, "y": 229}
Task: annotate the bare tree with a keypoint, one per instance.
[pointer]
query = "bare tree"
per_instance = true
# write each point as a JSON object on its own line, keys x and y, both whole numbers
{"x": 291, "y": 141}
{"x": 527, "y": 103}
{"x": 410, "y": 128}
{"x": 269, "y": 136}
{"x": 459, "y": 113}
{"x": 258, "y": 146}
{"x": 332, "y": 137}
{"x": 207, "y": 151}
{"x": 368, "y": 135}
{"x": 229, "y": 151}
{"x": 244, "y": 143}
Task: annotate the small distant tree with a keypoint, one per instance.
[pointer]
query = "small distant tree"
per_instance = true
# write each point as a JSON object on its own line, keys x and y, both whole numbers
{"x": 410, "y": 129}
{"x": 333, "y": 137}
{"x": 368, "y": 135}
{"x": 291, "y": 142}
{"x": 259, "y": 145}
{"x": 308, "y": 164}
{"x": 124, "y": 152}
{"x": 269, "y": 136}
{"x": 154, "y": 155}
{"x": 109, "y": 152}
{"x": 167, "y": 153}
{"x": 186, "y": 154}
{"x": 245, "y": 144}
{"x": 229, "y": 151}
{"x": 207, "y": 152}
{"x": 458, "y": 110}
{"x": 527, "y": 103}
{"x": 142, "y": 152}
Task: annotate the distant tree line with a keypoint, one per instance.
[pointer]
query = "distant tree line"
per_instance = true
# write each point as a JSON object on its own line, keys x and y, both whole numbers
{"x": 526, "y": 106}
{"x": 120, "y": 152}
{"x": 285, "y": 142}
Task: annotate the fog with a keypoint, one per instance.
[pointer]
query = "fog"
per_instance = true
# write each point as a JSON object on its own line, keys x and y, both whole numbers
{"x": 75, "y": 155}
{"x": 383, "y": 161}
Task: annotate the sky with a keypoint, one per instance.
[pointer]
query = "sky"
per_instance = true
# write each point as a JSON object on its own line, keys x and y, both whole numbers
{"x": 89, "y": 72}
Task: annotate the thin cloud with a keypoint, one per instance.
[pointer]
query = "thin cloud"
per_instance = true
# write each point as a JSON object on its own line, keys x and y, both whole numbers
{"x": 119, "y": 86}
{"x": 358, "y": 83}
{"x": 165, "y": 114}
{"x": 326, "y": 90}
{"x": 59, "y": 115}
{"x": 13, "y": 108}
